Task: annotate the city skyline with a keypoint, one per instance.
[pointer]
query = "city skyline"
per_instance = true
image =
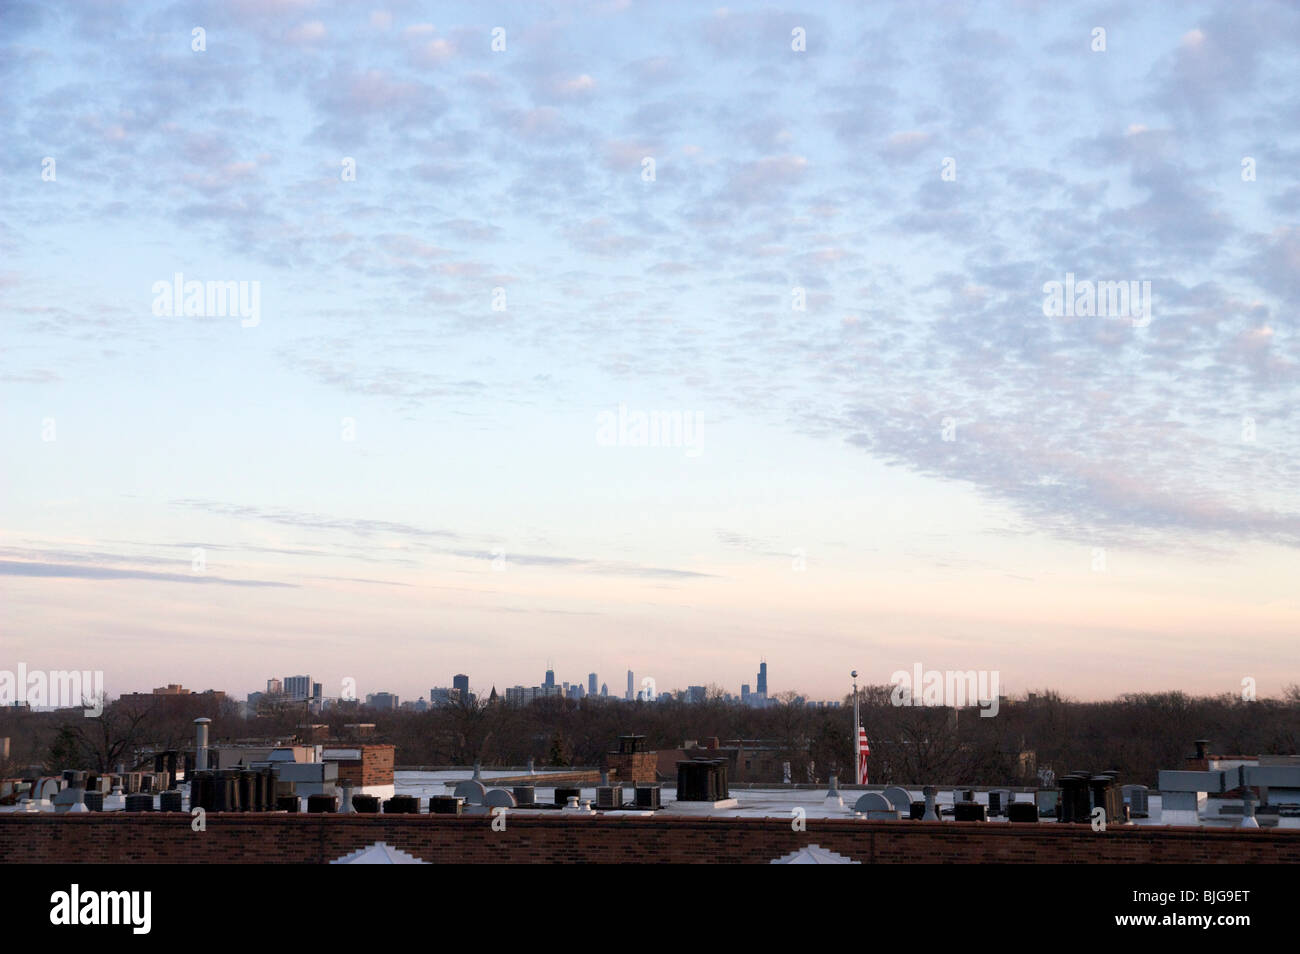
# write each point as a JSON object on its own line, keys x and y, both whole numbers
{"x": 651, "y": 339}
{"x": 304, "y": 687}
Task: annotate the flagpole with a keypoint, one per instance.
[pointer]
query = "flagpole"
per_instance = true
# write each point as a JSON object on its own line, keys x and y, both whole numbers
{"x": 857, "y": 773}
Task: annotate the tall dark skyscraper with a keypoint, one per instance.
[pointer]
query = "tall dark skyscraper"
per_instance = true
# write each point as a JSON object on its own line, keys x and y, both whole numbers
{"x": 762, "y": 678}
{"x": 591, "y": 683}
{"x": 460, "y": 682}
{"x": 550, "y": 679}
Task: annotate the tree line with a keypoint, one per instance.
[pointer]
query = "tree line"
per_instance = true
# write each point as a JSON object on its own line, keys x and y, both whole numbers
{"x": 1136, "y": 734}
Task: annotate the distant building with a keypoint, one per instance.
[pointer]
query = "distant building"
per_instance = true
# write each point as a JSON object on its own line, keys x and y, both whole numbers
{"x": 460, "y": 682}
{"x": 298, "y": 688}
{"x": 524, "y": 695}
{"x": 630, "y": 693}
{"x": 274, "y": 687}
{"x": 384, "y": 701}
{"x": 591, "y": 684}
{"x": 174, "y": 696}
{"x": 749, "y": 760}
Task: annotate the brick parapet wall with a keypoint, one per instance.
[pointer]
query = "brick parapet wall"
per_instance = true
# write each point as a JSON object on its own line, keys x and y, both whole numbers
{"x": 306, "y": 839}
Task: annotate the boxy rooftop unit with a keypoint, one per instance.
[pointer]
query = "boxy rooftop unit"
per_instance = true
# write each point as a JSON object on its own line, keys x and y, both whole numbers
{"x": 702, "y": 780}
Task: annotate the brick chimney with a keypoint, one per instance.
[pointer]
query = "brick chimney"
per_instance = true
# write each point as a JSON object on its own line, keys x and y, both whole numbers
{"x": 1200, "y": 762}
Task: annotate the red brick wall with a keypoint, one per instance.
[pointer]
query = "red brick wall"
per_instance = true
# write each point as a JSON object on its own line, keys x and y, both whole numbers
{"x": 632, "y": 766}
{"x": 268, "y": 838}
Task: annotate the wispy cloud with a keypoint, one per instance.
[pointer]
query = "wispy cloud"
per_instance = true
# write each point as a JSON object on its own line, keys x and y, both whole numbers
{"x": 84, "y": 572}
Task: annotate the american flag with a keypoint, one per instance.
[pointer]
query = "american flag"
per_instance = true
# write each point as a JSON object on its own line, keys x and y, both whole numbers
{"x": 863, "y": 751}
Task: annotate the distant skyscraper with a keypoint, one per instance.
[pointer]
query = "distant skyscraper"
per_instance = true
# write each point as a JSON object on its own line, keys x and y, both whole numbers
{"x": 604, "y": 690}
{"x": 297, "y": 688}
{"x": 386, "y": 701}
{"x": 744, "y": 692}
{"x": 762, "y": 678}
{"x": 440, "y": 696}
{"x": 630, "y": 694}
{"x": 591, "y": 684}
{"x": 274, "y": 687}
{"x": 550, "y": 679}
{"x": 460, "y": 682}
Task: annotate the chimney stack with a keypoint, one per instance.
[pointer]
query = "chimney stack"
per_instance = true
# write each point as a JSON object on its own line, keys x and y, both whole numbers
{"x": 201, "y": 742}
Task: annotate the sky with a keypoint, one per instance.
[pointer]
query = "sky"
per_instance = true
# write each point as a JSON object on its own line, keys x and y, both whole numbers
{"x": 489, "y": 241}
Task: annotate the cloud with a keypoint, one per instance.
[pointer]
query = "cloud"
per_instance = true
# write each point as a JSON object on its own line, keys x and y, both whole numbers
{"x": 306, "y": 34}
{"x": 775, "y": 169}
{"x": 313, "y": 521}
{"x": 67, "y": 571}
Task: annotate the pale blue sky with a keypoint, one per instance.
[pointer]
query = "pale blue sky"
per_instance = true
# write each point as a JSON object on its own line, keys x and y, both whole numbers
{"x": 820, "y": 431}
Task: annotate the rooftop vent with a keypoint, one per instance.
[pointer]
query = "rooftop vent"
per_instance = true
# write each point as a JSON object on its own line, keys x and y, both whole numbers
{"x": 873, "y": 803}
{"x": 170, "y": 801}
{"x": 1137, "y": 798}
{"x": 366, "y": 804}
{"x": 702, "y": 780}
{"x": 444, "y": 805}
{"x": 322, "y": 804}
{"x": 1022, "y": 812}
{"x": 899, "y": 797}
{"x": 139, "y": 803}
